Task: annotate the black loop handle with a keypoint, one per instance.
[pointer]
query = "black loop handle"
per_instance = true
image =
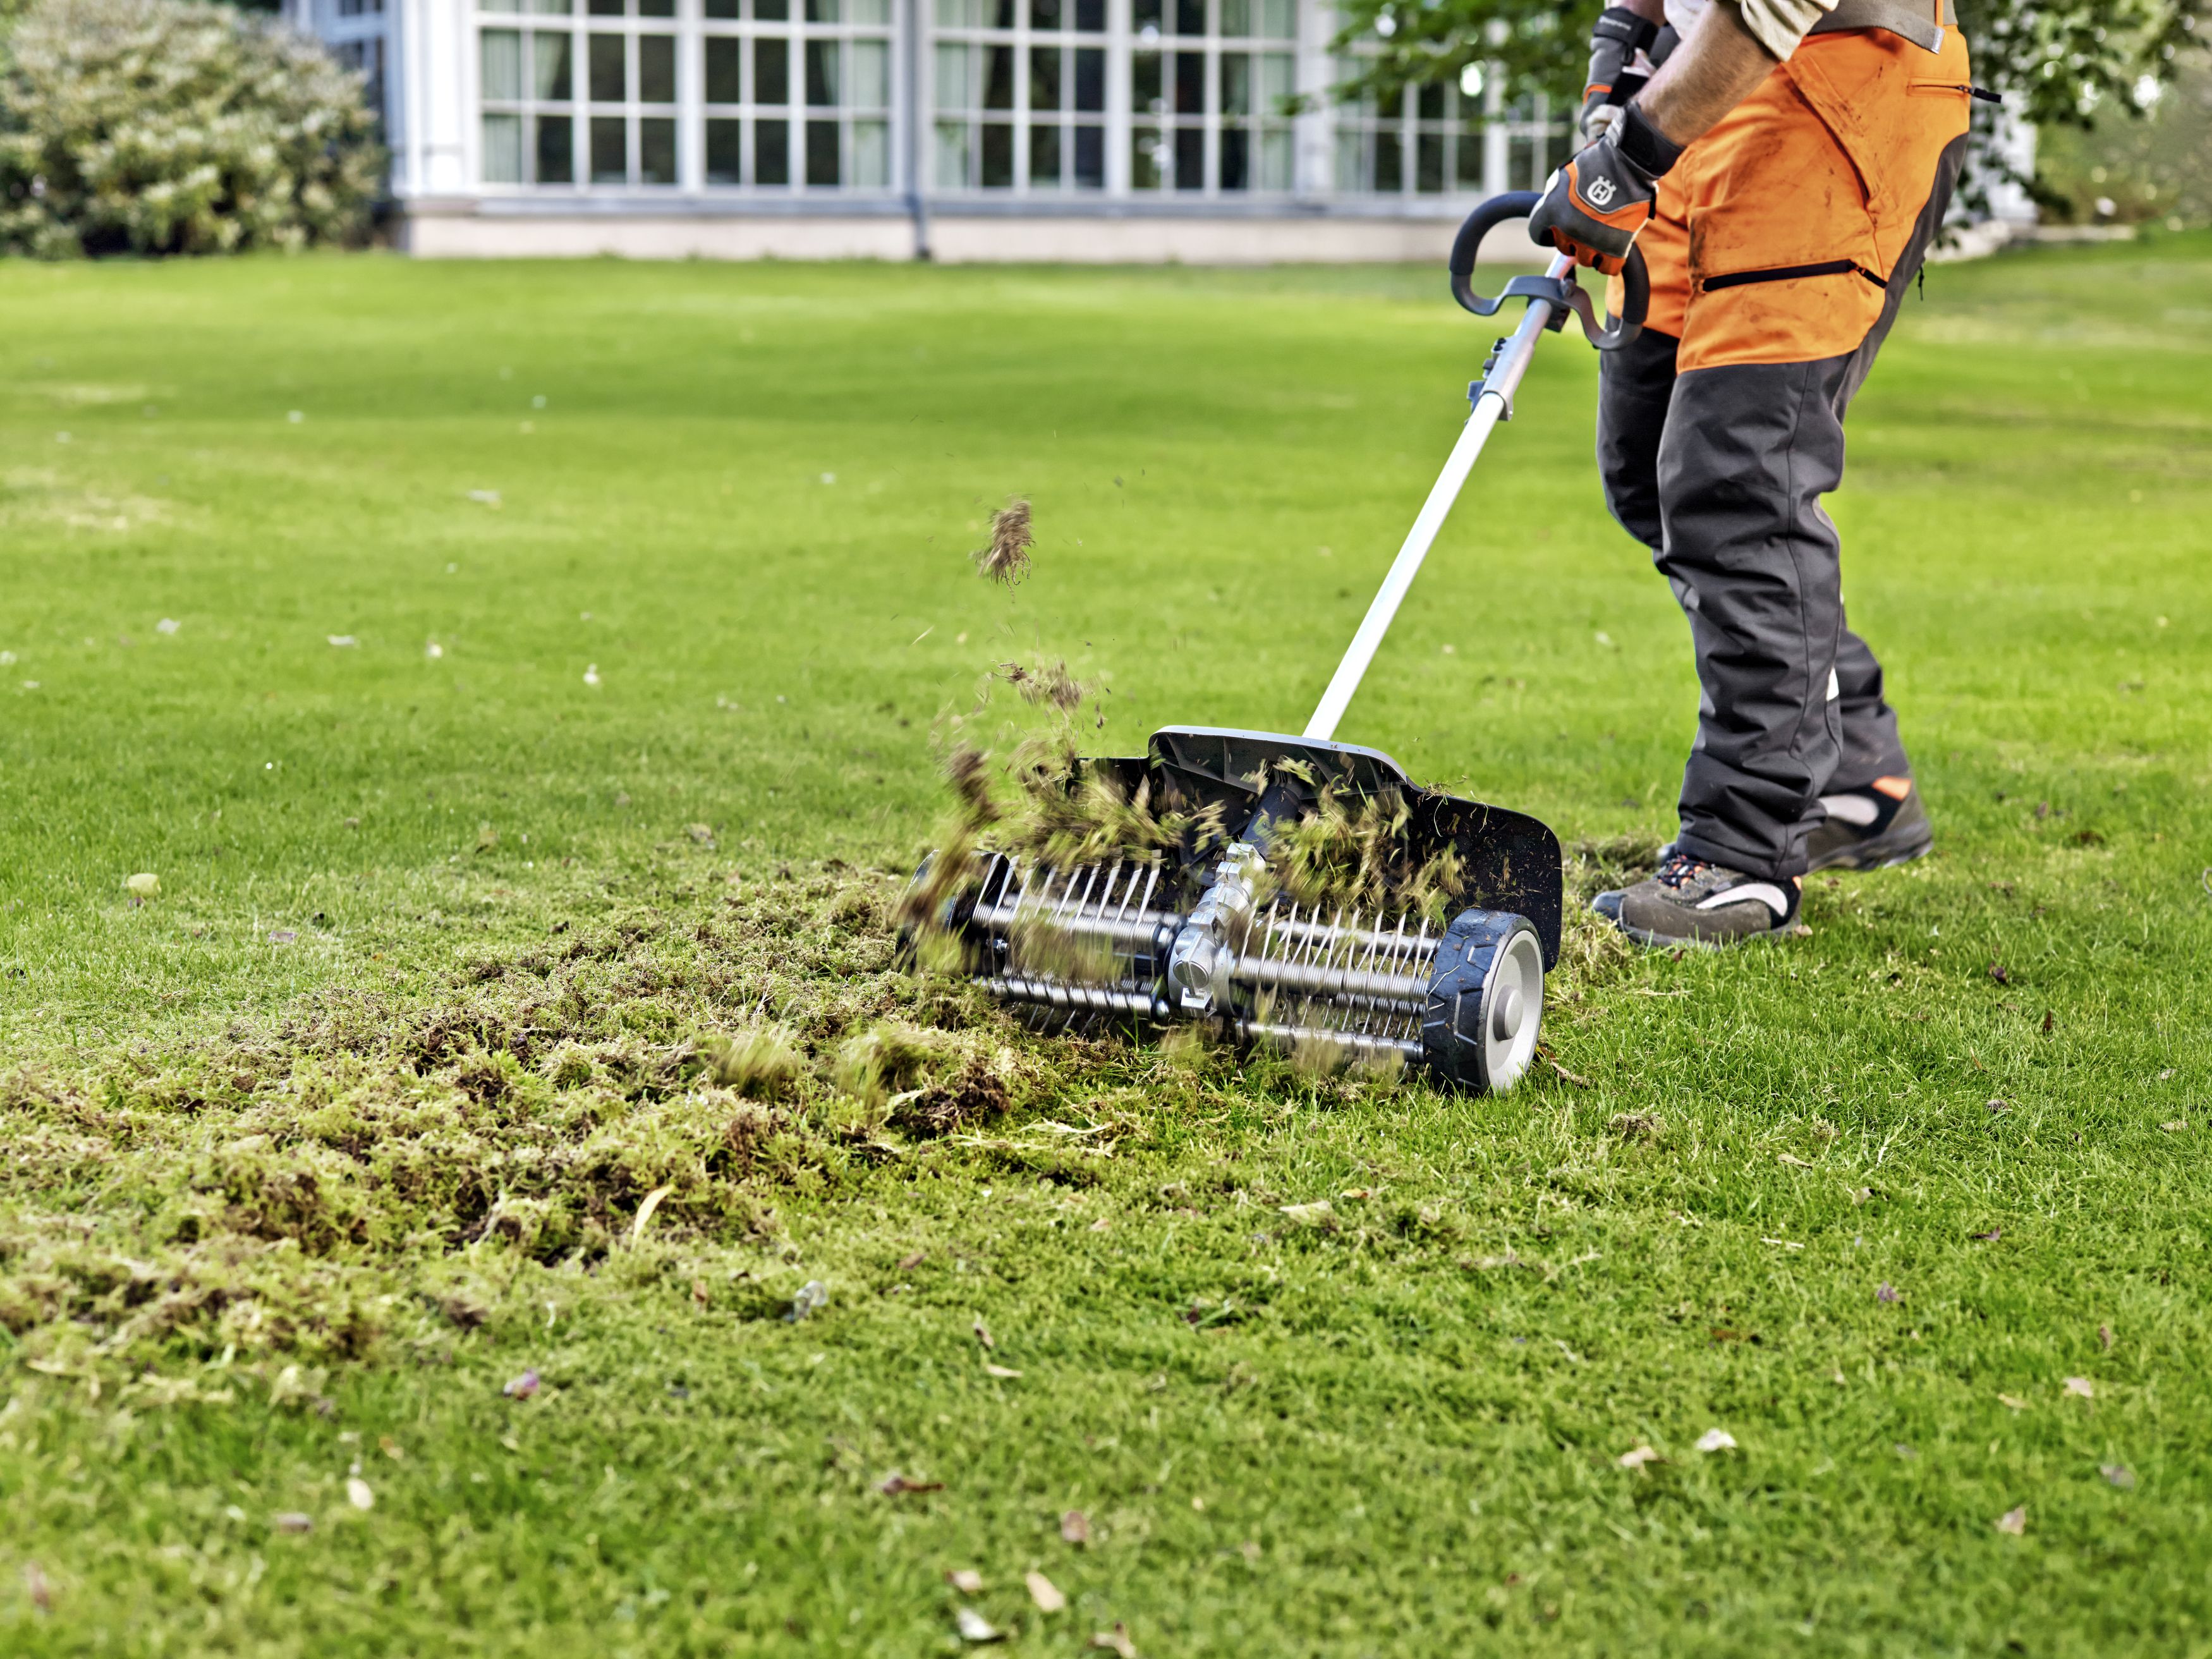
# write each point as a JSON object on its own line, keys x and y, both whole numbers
{"x": 1609, "y": 336}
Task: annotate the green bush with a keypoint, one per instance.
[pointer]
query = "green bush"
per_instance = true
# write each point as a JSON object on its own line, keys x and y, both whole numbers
{"x": 162, "y": 126}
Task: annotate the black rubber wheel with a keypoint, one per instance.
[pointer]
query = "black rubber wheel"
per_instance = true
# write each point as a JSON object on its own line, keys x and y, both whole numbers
{"x": 1486, "y": 1001}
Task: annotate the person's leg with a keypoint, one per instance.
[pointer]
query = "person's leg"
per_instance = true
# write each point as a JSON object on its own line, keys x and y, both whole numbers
{"x": 1805, "y": 226}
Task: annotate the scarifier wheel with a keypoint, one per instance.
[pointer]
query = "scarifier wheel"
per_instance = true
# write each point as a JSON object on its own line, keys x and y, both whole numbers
{"x": 1143, "y": 944}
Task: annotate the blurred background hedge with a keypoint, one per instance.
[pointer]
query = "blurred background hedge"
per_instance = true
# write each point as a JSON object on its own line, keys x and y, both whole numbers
{"x": 169, "y": 126}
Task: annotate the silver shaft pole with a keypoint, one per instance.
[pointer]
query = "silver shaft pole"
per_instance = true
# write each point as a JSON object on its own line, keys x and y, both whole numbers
{"x": 1489, "y": 409}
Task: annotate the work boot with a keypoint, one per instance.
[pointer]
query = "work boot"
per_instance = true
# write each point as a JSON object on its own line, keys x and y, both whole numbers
{"x": 1688, "y": 901}
{"x": 1870, "y": 828}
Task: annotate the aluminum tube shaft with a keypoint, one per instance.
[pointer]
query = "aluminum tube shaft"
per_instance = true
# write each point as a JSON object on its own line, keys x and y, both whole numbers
{"x": 1492, "y": 407}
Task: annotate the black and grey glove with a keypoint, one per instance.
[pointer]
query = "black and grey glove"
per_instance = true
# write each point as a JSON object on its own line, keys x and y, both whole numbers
{"x": 1617, "y": 41}
{"x": 1594, "y": 206}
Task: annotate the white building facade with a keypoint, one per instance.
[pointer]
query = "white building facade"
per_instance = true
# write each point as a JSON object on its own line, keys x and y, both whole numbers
{"x": 963, "y": 129}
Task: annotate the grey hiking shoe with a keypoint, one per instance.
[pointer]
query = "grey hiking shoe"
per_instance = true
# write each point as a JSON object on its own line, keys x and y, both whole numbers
{"x": 1689, "y": 902}
{"x": 1869, "y": 829}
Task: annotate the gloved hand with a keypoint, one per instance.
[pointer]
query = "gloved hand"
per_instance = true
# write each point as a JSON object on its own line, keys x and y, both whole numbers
{"x": 1593, "y": 207}
{"x": 1619, "y": 37}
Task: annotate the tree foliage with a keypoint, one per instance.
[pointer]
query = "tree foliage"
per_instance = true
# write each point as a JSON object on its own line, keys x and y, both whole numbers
{"x": 169, "y": 126}
{"x": 2058, "y": 62}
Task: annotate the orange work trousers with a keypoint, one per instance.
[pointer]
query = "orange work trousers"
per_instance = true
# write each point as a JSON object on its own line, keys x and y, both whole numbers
{"x": 1781, "y": 247}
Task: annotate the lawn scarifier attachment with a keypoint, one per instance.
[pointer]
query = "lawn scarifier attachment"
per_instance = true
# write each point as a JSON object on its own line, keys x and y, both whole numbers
{"x": 1193, "y": 936}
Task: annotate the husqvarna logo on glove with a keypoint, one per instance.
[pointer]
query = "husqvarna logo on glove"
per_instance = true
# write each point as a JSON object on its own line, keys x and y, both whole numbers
{"x": 1600, "y": 190}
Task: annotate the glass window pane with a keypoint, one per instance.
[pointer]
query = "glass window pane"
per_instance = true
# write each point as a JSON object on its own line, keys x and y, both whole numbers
{"x": 1431, "y": 103}
{"x": 502, "y": 63}
{"x": 610, "y": 152}
{"x": 771, "y": 71}
{"x": 1279, "y": 19}
{"x": 502, "y": 150}
{"x": 1044, "y": 14}
{"x": 997, "y": 156}
{"x": 1044, "y": 158}
{"x": 1429, "y": 163}
{"x": 656, "y": 8}
{"x": 872, "y": 155}
{"x": 603, "y": 7}
{"x": 1351, "y": 153}
{"x": 1091, "y": 157}
{"x": 772, "y": 11}
{"x": 656, "y": 69}
{"x": 606, "y": 72}
{"x": 1145, "y": 82}
{"x": 819, "y": 11}
{"x": 1470, "y": 160}
{"x": 725, "y": 165}
{"x": 656, "y": 150}
{"x": 821, "y": 150}
{"x": 552, "y": 8}
{"x": 1389, "y": 163}
{"x": 1190, "y": 158}
{"x": 1044, "y": 79}
{"x": 1236, "y": 84}
{"x": 1236, "y": 159}
{"x": 1090, "y": 78}
{"x": 952, "y": 155}
{"x": 724, "y": 69}
{"x": 954, "y": 88}
{"x": 876, "y": 12}
{"x": 1148, "y": 158}
{"x": 771, "y": 152}
{"x": 551, "y": 54}
{"x": 1236, "y": 17}
{"x": 871, "y": 76}
{"x": 821, "y": 84}
{"x": 556, "y": 151}
{"x": 1190, "y": 82}
{"x": 1091, "y": 15}
{"x": 957, "y": 14}
{"x": 1278, "y": 79}
{"x": 1145, "y": 14}
{"x": 1275, "y": 159}
{"x": 998, "y": 78}
{"x": 719, "y": 9}
{"x": 1190, "y": 16}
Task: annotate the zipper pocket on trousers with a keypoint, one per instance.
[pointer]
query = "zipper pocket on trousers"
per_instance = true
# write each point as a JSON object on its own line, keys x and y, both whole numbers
{"x": 1790, "y": 273}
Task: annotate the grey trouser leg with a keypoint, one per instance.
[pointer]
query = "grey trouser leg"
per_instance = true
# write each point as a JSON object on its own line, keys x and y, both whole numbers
{"x": 1748, "y": 451}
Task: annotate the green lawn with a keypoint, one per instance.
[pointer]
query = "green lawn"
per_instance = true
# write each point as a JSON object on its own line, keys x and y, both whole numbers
{"x": 303, "y": 1160}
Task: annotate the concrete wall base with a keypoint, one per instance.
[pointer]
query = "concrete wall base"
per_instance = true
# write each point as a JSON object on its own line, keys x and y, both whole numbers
{"x": 464, "y": 230}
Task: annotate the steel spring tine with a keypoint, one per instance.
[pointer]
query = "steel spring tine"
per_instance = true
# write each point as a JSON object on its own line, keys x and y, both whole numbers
{"x": 1021, "y": 901}
{"x": 1120, "y": 914}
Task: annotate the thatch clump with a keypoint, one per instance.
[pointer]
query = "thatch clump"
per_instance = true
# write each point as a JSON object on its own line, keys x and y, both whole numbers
{"x": 1006, "y": 557}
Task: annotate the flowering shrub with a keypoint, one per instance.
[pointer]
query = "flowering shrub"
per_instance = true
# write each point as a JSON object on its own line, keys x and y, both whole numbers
{"x": 169, "y": 126}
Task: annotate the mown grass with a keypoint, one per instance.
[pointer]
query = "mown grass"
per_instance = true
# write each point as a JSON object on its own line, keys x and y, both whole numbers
{"x": 279, "y": 1212}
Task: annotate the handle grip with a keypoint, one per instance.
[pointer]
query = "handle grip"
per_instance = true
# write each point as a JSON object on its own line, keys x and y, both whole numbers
{"x": 1609, "y": 336}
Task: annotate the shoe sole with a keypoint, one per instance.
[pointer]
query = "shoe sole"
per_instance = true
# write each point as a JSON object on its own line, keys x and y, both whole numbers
{"x": 1650, "y": 940}
{"x": 1874, "y": 855}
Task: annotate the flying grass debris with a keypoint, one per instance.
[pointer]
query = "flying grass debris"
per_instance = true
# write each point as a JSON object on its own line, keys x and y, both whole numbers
{"x": 1048, "y": 1596}
{"x": 2013, "y": 1520}
{"x": 1006, "y": 557}
{"x": 975, "y": 1627}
